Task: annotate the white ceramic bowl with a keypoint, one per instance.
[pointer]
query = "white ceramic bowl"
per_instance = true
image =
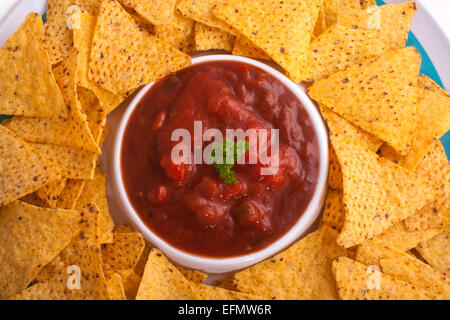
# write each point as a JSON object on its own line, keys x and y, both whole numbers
{"x": 223, "y": 265}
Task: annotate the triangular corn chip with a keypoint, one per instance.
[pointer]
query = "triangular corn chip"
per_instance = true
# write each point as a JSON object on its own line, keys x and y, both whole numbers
{"x": 179, "y": 33}
{"x": 436, "y": 252}
{"x": 157, "y": 12}
{"x": 124, "y": 252}
{"x": 207, "y": 38}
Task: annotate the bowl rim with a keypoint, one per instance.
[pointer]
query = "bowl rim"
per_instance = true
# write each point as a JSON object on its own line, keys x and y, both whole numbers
{"x": 228, "y": 264}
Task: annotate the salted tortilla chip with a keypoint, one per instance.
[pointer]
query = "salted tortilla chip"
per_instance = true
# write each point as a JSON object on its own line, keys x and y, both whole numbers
{"x": 124, "y": 228}
{"x": 340, "y": 47}
{"x": 74, "y": 163}
{"x": 356, "y": 281}
{"x": 82, "y": 39}
{"x": 335, "y": 172}
{"x": 377, "y": 192}
{"x": 123, "y": 57}
{"x": 207, "y": 38}
{"x": 301, "y": 272}
{"x": 163, "y": 281}
{"x": 30, "y": 237}
{"x": 333, "y": 7}
{"x": 124, "y": 252}
{"x": 393, "y": 21}
{"x": 34, "y": 200}
{"x": 372, "y": 251}
{"x": 244, "y": 47}
{"x": 193, "y": 275}
{"x": 115, "y": 287}
{"x": 205, "y": 292}
{"x": 95, "y": 114}
{"x": 70, "y": 194}
{"x": 23, "y": 169}
{"x": 378, "y": 96}
{"x": 51, "y": 192}
{"x": 94, "y": 191}
{"x": 410, "y": 269}
{"x": 26, "y": 80}
{"x": 321, "y": 23}
{"x": 202, "y": 11}
{"x": 140, "y": 266}
{"x": 130, "y": 282}
{"x": 334, "y": 211}
{"x": 58, "y": 37}
{"x": 157, "y": 12}
{"x": 282, "y": 29}
{"x": 399, "y": 237}
{"x": 178, "y": 34}
{"x": 436, "y": 252}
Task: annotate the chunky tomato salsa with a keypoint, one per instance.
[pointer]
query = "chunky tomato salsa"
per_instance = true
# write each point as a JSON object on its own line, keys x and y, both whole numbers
{"x": 219, "y": 210}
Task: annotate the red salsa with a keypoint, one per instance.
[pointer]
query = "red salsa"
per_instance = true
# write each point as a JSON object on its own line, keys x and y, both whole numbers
{"x": 189, "y": 205}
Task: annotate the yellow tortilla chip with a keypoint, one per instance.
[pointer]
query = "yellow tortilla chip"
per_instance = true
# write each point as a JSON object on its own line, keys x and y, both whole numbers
{"x": 34, "y": 200}
{"x": 370, "y": 252}
{"x": 436, "y": 252}
{"x": 367, "y": 3}
{"x": 335, "y": 172}
{"x": 207, "y": 38}
{"x": 193, "y": 275}
{"x": 163, "y": 281}
{"x": 74, "y": 163}
{"x": 58, "y": 37}
{"x": 321, "y": 23}
{"x": 124, "y": 252}
{"x": 94, "y": 191}
{"x": 205, "y": 292}
{"x": 202, "y": 11}
{"x": 26, "y": 80}
{"x": 282, "y": 29}
{"x": 70, "y": 194}
{"x": 334, "y": 211}
{"x": 140, "y": 266}
{"x": 95, "y": 114}
{"x": 51, "y": 192}
{"x": 378, "y": 96}
{"x": 23, "y": 169}
{"x": 130, "y": 282}
{"x": 340, "y": 47}
{"x": 333, "y": 7}
{"x": 115, "y": 287}
{"x": 356, "y": 281}
{"x": 301, "y": 272}
{"x": 377, "y": 192}
{"x": 82, "y": 39}
{"x": 410, "y": 269}
{"x": 393, "y": 21}
{"x": 157, "y": 12}
{"x": 178, "y": 34}
{"x": 244, "y": 47}
{"x": 30, "y": 237}
{"x": 123, "y": 57}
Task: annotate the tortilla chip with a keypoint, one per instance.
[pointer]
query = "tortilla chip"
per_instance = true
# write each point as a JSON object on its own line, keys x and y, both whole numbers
{"x": 244, "y": 47}
{"x": 399, "y": 237}
{"x": 378, "y": 96}
{"x": 124, "y": 252}
{"x": 95, "y": 114}
{"x": 333, "y": 7}
{"x": 377, "y": 192}
{"x": 94, "y": 191}
{"x": 335, "y": 172}
{"x": 70, "y": 194}
{"x": 51, "y": 192}
{"x": 202, "y": 11}
{"x": 410, "y": 269}
{"x": 163, "y": 281}
{"x": 140, "y": 266}
{"x": 178, "y": 34}
{"x": 436, "y": 252}
{"x": 370, "y": 252}
{"x": 367, "y": 3}
{"x": 52, "y": 281}
{"x": 340, "y": 47}
{"x": 356, "y": 281}
{"x": 34, "y": 200}
{"x": 193, "y": 275}
{"x": 23, "y": 169}
{"x": 205, "y": 292}
{"x": 124, "y": 228}
{"x": 282, "y": 29}
{"x": 115, "y": 287}
{"x": 82, "y": 39}
{"x": 301, "y": 272}
{"x": 26, "y": 80}
{"x": 130, "y": 282}
{"x": 334, "y": 212}
{"x": 136, "y": 58}
{"x": 207, "y": 38}
{"x": 74, "y": 163}
{"x": 58, "y": 37}
{"x": 157, "y": 12}
{"x": 30, "y": 237}
{"x": 393, "y": 21}
{"x": 321, "y": 23}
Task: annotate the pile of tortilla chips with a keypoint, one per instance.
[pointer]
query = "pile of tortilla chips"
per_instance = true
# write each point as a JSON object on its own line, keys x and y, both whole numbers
{"x": 384, "y": 231}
